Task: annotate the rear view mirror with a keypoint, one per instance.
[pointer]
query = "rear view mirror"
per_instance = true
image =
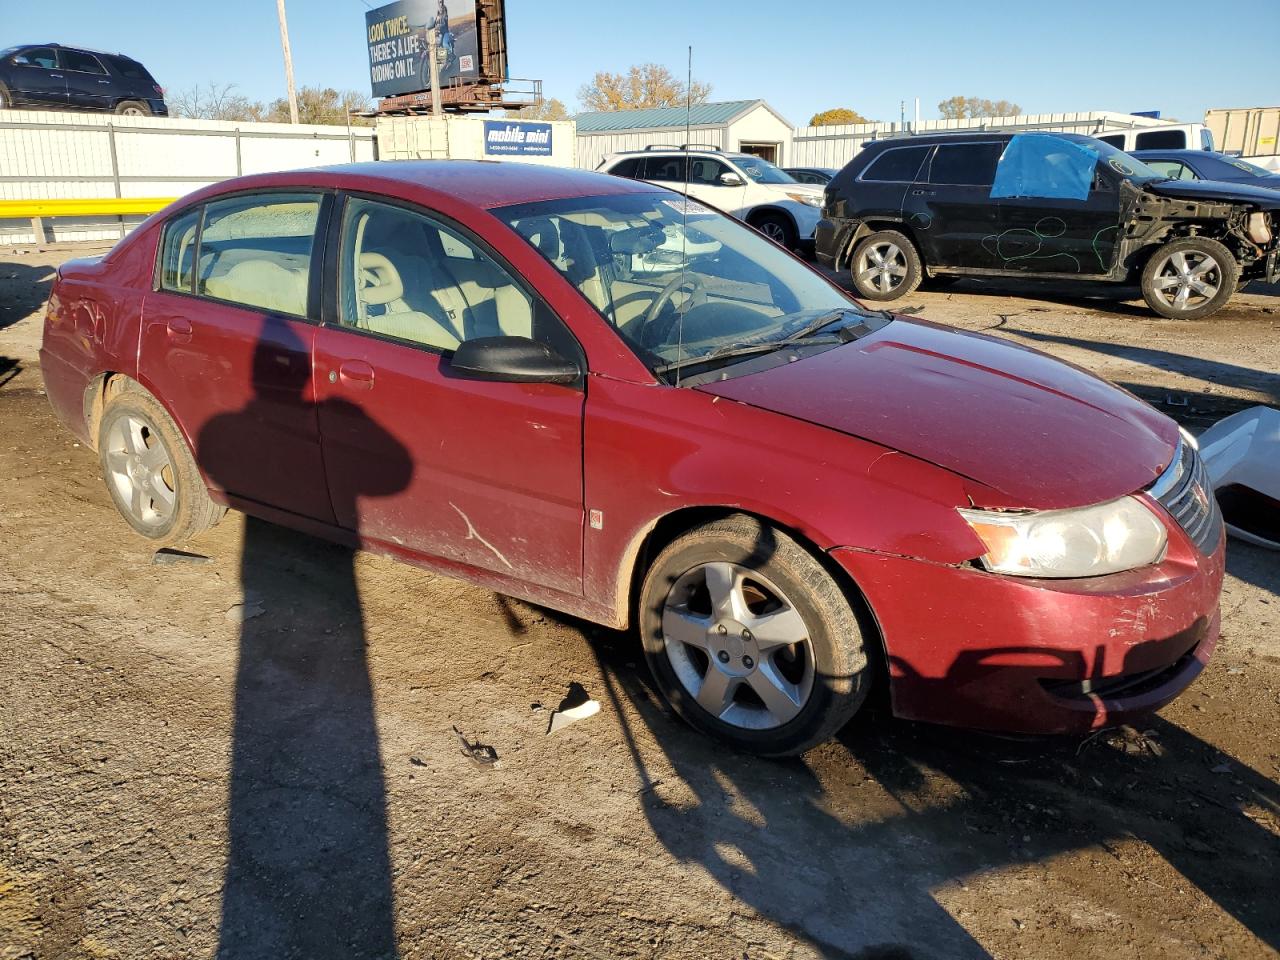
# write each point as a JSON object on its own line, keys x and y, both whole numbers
{"x": 731, "y": 179}
{"x": 512, "y": 360}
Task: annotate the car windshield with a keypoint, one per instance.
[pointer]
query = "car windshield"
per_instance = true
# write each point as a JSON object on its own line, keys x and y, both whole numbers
{"x": 762, "y": 171}
{"x": 676, "y": 279}
{"x": 1123, "y": 164}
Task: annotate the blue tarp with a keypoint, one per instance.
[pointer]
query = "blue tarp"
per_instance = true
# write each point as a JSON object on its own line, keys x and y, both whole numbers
{"x": 1042, "y": 165}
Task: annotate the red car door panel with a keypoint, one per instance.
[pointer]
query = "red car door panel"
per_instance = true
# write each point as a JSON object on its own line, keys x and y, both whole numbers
{"x": 496, "y": 468}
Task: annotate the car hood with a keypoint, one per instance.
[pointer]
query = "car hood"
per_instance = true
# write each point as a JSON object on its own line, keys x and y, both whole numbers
{"x": 1042, "y": 432}
{"x": 1263, "y": 197}
{"x": 807, "y": 189}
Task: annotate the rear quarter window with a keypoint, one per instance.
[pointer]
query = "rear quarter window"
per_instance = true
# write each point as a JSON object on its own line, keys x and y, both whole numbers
{"x": 631, "y": 168}
{"x": 896, "y": 165}
{"x": 129, "y": 69}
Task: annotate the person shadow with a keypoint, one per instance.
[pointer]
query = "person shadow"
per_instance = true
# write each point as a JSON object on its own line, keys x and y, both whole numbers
{"x": 308, "y": 871}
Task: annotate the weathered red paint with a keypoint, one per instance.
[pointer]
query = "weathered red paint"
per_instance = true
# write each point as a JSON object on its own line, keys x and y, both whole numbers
{"x": 864, "y": 451}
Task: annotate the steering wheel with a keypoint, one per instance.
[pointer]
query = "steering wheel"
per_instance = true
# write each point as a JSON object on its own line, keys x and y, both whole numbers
{"x": 650, "y": 333}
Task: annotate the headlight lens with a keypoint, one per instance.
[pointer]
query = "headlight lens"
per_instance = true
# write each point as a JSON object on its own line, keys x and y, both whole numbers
{"x": 1085, "y": 542}
{"x": 808, "y": 199}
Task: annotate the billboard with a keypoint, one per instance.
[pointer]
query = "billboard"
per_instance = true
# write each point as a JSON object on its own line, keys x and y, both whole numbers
{"x": 398, "y": 37}
{"x": 517, "y": 138}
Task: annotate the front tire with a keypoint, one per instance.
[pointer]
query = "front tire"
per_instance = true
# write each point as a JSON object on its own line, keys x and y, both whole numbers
{"x": 1190, "y": 278}
{"x": 885, "y": 266}
{"x": 151, "y": 476}
{"x": 751, "y": 640}
{"x": 778, "y": 228}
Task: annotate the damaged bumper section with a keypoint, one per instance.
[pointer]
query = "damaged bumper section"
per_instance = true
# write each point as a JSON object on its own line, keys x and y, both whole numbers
{"x": 1019, "y": 655}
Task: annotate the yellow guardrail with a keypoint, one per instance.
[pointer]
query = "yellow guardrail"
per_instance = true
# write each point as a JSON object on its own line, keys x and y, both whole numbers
{"x": 94, "y": 207}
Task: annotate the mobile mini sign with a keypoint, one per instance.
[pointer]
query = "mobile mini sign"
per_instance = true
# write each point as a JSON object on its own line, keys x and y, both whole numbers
{"x": 509, "y": 137}
{"x": 399, "y": 38}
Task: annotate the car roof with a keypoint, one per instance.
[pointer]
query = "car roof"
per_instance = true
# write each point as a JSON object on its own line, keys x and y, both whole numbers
{"x": 657, "y": 152}
{"x": 1179, "y": 152}
{"x": 72, "y": 46}
{"x": 976, "y": 136}
{"x": 481, "y": 183}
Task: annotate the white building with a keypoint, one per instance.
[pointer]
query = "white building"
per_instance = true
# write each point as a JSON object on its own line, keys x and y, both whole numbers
{"x": 748, "y": 126}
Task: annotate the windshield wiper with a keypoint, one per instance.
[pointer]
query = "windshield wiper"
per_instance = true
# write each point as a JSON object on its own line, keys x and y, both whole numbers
{"x": 749, "y": 347}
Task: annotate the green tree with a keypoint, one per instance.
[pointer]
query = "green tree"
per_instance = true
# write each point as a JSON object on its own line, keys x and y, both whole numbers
{"x": 969, "y": 108}
{"x": 836, "y": 115}
{"x": 644, "y": 85}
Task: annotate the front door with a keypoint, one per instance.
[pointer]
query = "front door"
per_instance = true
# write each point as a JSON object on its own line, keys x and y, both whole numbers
{"x": 480, "y": 473}
{"x": 37, "y": 78}
{"x": 227, "y": 340}
{"x": 704, "y": 179}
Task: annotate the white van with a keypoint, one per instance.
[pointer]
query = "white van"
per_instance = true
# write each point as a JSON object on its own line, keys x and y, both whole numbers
{"x": 1174, "y": 136}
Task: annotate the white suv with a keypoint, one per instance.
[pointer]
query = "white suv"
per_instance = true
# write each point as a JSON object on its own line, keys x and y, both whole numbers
{"x": 749, "y": 188}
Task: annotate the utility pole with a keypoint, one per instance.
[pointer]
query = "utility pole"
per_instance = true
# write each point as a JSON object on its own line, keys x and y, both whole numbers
{"x": 288, "y": 62}
{"x": 433, "y": 54}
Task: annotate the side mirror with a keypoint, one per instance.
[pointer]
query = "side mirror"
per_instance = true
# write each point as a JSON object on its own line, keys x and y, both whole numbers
{"x": 512, "y": 360}
{"x": 731, "y": 179}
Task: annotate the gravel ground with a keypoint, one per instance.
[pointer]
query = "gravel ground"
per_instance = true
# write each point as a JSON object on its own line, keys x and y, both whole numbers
{"x": 255, "y": 757}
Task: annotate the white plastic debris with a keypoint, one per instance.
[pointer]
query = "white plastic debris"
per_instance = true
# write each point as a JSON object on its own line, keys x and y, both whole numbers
{"x": 562, "y": 718}
{"x": 1242, "y": 456}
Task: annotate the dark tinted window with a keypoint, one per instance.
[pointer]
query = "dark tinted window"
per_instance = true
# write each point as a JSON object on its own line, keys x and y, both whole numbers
{"x": 896, "y": 165}
{"x": 668, "y": 169}
{"x": 178, "y": 251}
{"x": 1116, "y": 141}
{"x": 1162, "y": 140}
{"x": 38, "y": 57}
{"x": 972, "y": 164}
{"x": 630, "y": 167}
{"x": 81, "y": 62}
{"x": 131, "y": 69}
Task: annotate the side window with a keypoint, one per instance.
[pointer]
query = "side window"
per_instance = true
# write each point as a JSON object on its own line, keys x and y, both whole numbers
{"x": 1206, "y": 138}
{"x": 1116, "y": 141}
{"x": 896, "y": 165}
{"x": 178, "y": 251}
{"x": 666, "y": 169}
{"x": 707, "y": 172}
{"x": 408, "y": 277}
{"x": 1172, "y": 169}
{"x": 256, "y": 250}
{"x": 629, "y": 167}
{"x": 44, "y": 57}
{"x": 81, "y": 62}
{"x": 1161, "y": 140}
{"x": 130, "y": 69}
{"x": 965, "y": 164}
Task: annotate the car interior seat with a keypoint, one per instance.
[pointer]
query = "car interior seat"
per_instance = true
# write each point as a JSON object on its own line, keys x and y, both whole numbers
{"x": 381, "y": 307}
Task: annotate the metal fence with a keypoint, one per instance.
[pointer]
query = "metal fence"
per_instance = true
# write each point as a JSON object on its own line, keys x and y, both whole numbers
{"x": 90, "y": 156}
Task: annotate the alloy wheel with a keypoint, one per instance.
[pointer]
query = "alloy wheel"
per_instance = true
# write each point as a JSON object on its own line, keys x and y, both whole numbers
{"x": 1186, "y": 280}
{"x": 882, "y": 266}
{"x": 738, "y": 646}
{"x": 139, "y": 468}
{"x": 774, "y": 231}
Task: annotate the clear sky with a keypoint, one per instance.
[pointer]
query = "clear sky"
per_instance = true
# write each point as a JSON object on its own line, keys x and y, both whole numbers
{"x": 1178, "y": 56}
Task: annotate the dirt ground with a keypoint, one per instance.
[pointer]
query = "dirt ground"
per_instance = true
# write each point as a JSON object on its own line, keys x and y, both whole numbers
{"x": 225, "y": 758}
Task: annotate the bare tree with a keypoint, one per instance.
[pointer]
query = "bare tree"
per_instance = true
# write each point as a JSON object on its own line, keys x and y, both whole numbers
{"x": 551, "y": 109}
{"x": 967, "y": 108}
{"x": 322, "y": 105}
{"x": 835, "y": 115}
{"x": 216, "y": 102}
{"x": 643, "y": 85}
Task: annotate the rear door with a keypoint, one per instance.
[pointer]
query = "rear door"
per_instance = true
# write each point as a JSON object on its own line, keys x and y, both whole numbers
{"x": 880, "y": 191}
{"x": 480, "y": 473}
{"x": 227, "y": 337}
{"x": 950, "y": 207}
{"x": 37, "y": 78}
{"x": 89, "y": 86}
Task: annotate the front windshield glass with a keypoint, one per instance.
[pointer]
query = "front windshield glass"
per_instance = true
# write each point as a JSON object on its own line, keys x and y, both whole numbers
{"x": 676, "y": 279}
{"x": 762, "y": 171}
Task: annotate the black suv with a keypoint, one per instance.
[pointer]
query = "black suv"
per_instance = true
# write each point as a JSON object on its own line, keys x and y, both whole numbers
{"x": 68, "y": 78}
{"x": 1045, "y": 205}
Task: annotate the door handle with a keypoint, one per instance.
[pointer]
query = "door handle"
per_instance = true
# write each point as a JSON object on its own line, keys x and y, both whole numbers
{"x": 923, "y": 193}
{"x": 56, "y": 76}
{"x": 179, "y": 329}
{"x": 104, "y": 81}
{"x": 355, "y": 374}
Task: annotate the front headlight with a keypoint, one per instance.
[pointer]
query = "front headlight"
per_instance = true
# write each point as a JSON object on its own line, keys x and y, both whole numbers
{"x": 808, "y": 199}
{"x": 1084, "y": 542}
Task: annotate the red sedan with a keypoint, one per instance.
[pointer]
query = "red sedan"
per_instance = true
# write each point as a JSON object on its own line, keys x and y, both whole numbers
{"x": 601, "y": 397}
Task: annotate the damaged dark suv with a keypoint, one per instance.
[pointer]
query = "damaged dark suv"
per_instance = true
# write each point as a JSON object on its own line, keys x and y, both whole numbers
{"x": 1043, "y": 205}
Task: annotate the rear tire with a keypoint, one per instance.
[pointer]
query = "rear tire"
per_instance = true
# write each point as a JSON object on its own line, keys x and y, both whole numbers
{"x": 778, "y": 228}
{"x": 1189, "y": 278}
{"x": 885, "y": 266}
{"x": 751, "y": 640}
{"x": 150, "y": 474}
{"x": 133, "y": 108}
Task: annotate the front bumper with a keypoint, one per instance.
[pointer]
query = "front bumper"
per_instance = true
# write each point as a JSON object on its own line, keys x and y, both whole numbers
{"x": 1015, "y": 655}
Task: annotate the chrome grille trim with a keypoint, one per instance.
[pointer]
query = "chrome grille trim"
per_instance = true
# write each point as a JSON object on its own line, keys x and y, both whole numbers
{"x": 1184, "y": 489}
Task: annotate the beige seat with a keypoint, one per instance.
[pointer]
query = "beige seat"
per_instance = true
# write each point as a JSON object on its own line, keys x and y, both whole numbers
{"x": 261, "y": 283}
{"x": 380, "y": 285}
{"x": 484, "y": 301}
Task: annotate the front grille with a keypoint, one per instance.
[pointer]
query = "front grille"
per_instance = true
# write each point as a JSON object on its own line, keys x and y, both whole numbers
{"x": 1184, "y": 489}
